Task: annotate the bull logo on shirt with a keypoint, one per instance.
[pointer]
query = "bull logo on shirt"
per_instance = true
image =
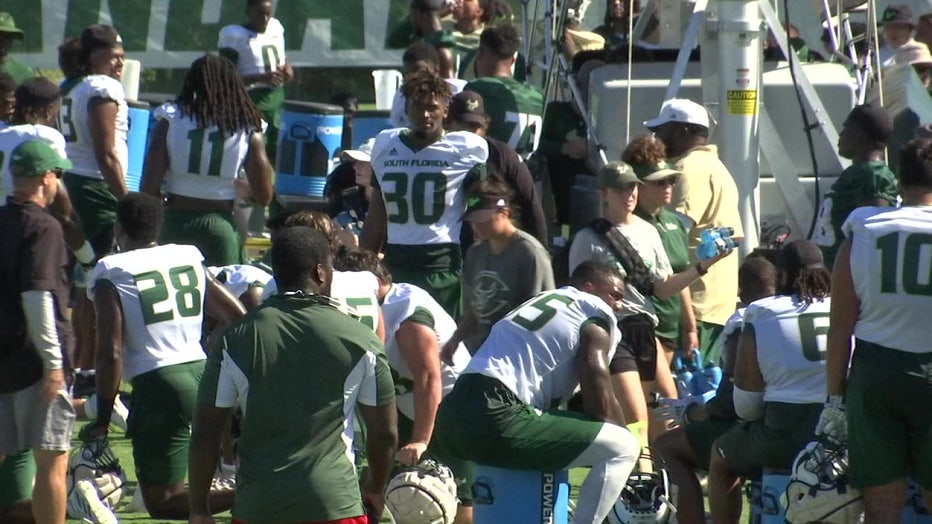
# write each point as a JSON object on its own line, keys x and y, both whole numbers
{"x": 490, "y": 296}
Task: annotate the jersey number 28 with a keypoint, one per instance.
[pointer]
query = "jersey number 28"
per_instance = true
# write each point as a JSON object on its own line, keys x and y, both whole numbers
{"x": 159, "y": 303}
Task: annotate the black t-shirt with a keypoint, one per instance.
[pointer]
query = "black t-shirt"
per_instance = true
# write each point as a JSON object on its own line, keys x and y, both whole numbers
{"x": 32, "y": 257}
{"x": 505, "y": 165}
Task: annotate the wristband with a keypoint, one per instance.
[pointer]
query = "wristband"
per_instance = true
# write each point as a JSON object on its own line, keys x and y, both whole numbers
{"x": 84, "y": 254}
{"x": 702, "y": 272}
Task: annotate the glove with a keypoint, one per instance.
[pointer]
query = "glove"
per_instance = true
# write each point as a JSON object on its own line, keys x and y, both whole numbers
{"x": 833, "y": 425}
{"x": 675, "y": 409}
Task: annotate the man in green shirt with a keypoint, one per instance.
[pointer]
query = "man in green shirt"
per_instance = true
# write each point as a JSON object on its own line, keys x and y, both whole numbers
{"x": 516, "y": 109}
{"x": 8, "y": 33}
{"x": 300, "y": 369}
{"x": 866, "y": 182}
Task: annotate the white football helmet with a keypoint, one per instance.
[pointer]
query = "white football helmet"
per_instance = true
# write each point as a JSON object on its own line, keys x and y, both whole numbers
{"x": 422, "y": 494}
{"x": 644, "y": 499}
{"x": 819, "y": 489}
{"x": 95, "y": 461}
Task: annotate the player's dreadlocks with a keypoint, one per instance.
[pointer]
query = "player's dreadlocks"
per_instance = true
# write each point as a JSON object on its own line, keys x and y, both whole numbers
{"x": 422, "y": 85}
{"x": 802, "y": 272}
{"x": 213, "y": 95}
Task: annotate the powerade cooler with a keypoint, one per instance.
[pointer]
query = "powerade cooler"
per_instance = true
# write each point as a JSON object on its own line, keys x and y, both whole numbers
{"x": 367, "y": 124}
{"x": 310, "y": 136}
{"x": 136, "y": 142}
{"x": 520, "y": 496}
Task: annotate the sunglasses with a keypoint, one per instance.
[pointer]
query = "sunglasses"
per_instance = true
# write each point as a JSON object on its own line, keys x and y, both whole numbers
{"x": 669, "y": 181}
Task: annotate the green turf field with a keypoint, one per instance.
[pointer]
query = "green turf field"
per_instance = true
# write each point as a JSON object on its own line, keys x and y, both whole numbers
{"x": 122, "y": 449}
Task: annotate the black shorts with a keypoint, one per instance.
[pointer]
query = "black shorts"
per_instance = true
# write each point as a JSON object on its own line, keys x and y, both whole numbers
{"x": 638, "y": 348}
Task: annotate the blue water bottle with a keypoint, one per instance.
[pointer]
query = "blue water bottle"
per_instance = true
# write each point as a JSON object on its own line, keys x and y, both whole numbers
{"x": 707, "y": 250}
{"x": 713, "y": 233}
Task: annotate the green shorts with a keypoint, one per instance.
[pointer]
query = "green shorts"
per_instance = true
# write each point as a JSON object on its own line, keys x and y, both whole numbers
{"x": 702, "y": 434}
{"x": 462, "y": 469}
{"x": 889, "y": 408}
{"x": 16, "y": 475}
{"x": 270, "y": 102}
{"x": 436, "y": 269}
{"x": 214, "y": 234}
{"x": 160, "y": 422}
{"x": 708, "y": 341}
{"x": 483, "y": 421}
{"x": 95, "y": 206}
{"x": 769, "y": 443}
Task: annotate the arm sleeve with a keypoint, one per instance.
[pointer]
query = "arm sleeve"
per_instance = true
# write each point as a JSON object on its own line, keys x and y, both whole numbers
{"x": 749, "y": 405}
{"x": 378, "y": 388}
{"x": 39, "y": 309}
{"x": 223, "y": 381}
{"x": 519, "y": 177}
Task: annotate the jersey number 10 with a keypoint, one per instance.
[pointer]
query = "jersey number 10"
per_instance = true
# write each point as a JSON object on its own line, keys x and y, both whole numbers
{"x": 914, "y": 269}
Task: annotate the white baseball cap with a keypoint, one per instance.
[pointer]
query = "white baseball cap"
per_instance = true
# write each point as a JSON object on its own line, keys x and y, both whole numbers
{"x": 363, "y": 154}
{"x": 680, "y": 110}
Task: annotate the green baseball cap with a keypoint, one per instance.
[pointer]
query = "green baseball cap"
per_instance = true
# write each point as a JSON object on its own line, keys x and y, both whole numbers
{"x": 7, "y": 25}
{"x": 34, "y": 158}
{"x": 617, "y": 175}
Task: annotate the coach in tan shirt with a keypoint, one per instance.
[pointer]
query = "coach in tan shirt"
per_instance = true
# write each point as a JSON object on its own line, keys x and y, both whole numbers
{"x": 706, "y": 196}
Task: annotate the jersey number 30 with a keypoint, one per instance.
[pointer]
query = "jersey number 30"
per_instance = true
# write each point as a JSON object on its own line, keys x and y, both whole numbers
{"x": 159, "y": 303}
{"x": 417, "y": 205}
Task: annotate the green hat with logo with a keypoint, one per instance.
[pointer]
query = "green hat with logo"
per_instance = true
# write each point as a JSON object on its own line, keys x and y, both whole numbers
{"x": 8, "y": 26}
{"x": 617, "y": 175}
{"x": 34, "y": 158}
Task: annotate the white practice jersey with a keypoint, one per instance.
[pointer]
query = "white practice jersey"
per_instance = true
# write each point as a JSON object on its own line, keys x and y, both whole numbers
{"x": 162, "y": 291}
{"x": 12, "y": 136}
{"x": 238, "y": 278}
{"x": 74, "y": 123}
{"x": 257, "y": 53}
{"x": 791, "y": 339}
{"x": 203, "y": 162}
{"x": 891, "y": 264}
{"x": 356, "y": 291}
{"x": 533, "y": 349}
{"x": 424, "y": 190}
{"x": 409, "y": 302}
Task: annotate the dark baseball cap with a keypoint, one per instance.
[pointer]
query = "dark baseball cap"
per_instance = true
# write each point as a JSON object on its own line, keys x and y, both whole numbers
{"x": 873, "y": 120}
{"x": 800, "y": 254}
{"x": 34, "y": 158}
{"x": 468, "y": 106}
{"x": 100, "y": 36}
{"x": 617, "y": 175}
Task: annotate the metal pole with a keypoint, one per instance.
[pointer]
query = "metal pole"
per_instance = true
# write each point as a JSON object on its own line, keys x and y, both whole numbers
{"x": 739, "y": 33}
{"x": 690, "y": 38}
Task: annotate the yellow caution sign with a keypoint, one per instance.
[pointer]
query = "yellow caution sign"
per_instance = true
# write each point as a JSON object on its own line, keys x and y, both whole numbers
{"x": 741, "y": 101}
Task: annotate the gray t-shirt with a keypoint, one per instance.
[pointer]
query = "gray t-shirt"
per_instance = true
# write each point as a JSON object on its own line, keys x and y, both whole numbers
{"x": 494, "y": 284}
{"x": 646, "y": 241}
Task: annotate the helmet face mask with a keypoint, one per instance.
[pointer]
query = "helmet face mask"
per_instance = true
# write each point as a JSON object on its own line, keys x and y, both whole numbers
{"x": 819, "y": 488}
{"x": 95, "y": 461}
{"x": 422, "y": 494}
{"x": 646, "y": 498}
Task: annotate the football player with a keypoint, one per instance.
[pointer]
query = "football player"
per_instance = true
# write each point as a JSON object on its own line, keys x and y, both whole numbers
{"x": 150, "y": 302}
{"x": 685, "y": 449}
{"x": 201, "y": 143}
{"x": 245, "y": 282}
{"x": 882, "y": 297}
{"x": 779, "y": 377}
{"x": 416, "y": 327}
{"x": 516, "y": 109}
{"x": 301, "y": 369}
{"x": 258, "y": 50}
{"x": 419, "y": 182}
{"x": 356, "y": 291}
{"x": 534, "y": 359}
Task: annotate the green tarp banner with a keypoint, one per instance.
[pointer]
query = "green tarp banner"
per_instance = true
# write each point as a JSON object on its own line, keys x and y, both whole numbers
{"x": 172, "y": 33}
